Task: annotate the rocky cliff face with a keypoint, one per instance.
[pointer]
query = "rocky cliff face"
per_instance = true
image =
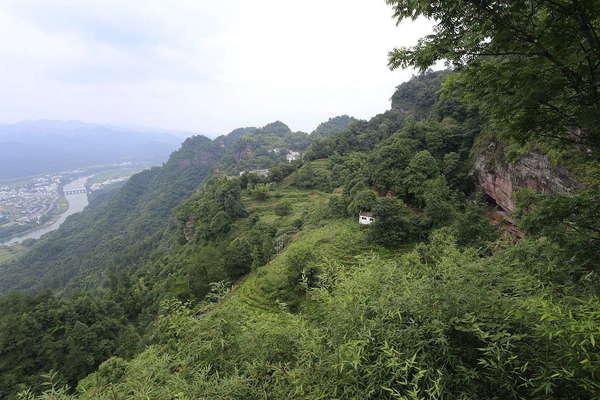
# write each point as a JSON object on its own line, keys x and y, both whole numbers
{"x": 534, "y": 171}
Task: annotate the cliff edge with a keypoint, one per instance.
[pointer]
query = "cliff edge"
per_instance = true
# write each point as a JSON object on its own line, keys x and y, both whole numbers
{"x": 500, "y": 179}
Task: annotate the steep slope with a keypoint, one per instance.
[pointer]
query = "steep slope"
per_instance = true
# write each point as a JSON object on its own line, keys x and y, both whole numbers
{"x": 333, "y": 315}
{"x": 268, "y": 287}
{"x": 424, "y": 303}
{"x": 369, "y": 326}
{"x": 332, "y": 127}
{"x": 127, "y": 252}
{"x": 114, "y": 232}
{"x": 419, "y": 94}
{"x": 117, "y": 232}
{"x": 501, "y": 179}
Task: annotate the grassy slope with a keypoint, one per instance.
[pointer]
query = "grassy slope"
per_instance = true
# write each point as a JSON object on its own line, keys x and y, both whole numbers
{"x": 262, "y": 295}
{"x": 376, "y": 317}
{"x": 374, "y": 313}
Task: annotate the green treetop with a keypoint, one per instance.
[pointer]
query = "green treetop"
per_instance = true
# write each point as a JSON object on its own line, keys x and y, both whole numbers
{"x": 533, "y": 65}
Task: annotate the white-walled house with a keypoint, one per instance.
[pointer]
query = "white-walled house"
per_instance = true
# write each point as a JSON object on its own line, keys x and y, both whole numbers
{"x": 292, "y": 156}
{"x": 365, "y": 218}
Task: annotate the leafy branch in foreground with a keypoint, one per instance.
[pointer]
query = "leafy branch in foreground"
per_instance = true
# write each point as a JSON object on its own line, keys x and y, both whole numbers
{"x": 533, "y": 65}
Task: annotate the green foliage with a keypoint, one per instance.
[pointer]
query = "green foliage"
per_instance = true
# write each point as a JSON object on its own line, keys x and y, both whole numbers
{"x": 390, "y": 160}
{"x": 572, "y": 222}
{"x": 332, "y": 127}
{"x": 213, "y": 208}
{"x": 533, "y": 67}
{"x": 282, "y": 209}
{"x": 471, "y": 224}
{"x": 436, "y": 322}
{"x": 71, "y": 337}
{"x": 281, "y": 171}
{"x": 301, "y": 271}
{"x": 362, "y": 200}
{"x": 421, "y": 168}
{"x": 360, "y": 136}
{"x": 251, "y": 180}
{"x": 422, "y": 304}
{"x": 238, "y": 257}
{"x": 259, "y": 192}
{"x": 393, "y": 226}
{"x": 338, "y": 206}
{"x": 204, "y": 267}
{"x": 439, "y": 206}
{"x": 111, "y": 371}
{"x": 311, "y": 176}
{"x": 349, "y": 170}
{"x": 120, "y": 229}
{"x": 261, "y": 241}
{"x": 261, "y": 148}
{"x": 220, "y": 224}
{"x": 418, "y": 95}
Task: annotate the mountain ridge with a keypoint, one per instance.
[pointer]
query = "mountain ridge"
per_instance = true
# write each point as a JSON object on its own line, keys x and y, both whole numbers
{"x": 50, "y": 146}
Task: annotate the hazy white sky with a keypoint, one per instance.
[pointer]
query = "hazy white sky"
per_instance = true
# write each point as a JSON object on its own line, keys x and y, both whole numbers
{"x": 198, "y": 65}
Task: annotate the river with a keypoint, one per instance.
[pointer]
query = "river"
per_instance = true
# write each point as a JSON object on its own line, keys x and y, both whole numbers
{"x": 77, "y": 202}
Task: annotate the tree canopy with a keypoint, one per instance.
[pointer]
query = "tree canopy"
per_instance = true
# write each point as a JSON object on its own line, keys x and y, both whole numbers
{"x": 534, "y": 65}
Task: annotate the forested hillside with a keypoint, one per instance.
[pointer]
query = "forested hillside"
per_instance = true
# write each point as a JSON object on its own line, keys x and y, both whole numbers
{"x": 107, "y": 251}
{"x": 203, "y": 283}
{"x": 115, "y": 232}
{"x": 332, "y": 127}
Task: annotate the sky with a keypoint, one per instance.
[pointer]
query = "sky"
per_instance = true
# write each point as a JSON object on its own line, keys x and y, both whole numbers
{"x": 198, "y": 65}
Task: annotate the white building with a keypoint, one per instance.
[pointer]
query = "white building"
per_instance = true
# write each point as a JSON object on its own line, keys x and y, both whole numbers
{"x": 292, "y": 156}
{"x": 365, "y": 218}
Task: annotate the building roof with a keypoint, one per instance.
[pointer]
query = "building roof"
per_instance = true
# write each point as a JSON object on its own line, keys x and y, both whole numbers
{"x": 366, "y": 214}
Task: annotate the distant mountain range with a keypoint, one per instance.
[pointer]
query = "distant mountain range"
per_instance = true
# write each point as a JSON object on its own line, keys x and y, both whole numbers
{"x": 45, "y": 146}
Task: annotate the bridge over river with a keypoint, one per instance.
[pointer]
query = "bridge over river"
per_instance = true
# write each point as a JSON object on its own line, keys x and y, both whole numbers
{"x": 74, "y": 191}
{"x": 76, "y": 195}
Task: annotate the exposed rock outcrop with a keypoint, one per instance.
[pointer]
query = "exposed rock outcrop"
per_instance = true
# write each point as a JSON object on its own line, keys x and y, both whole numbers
{"x": 500, "y": 179}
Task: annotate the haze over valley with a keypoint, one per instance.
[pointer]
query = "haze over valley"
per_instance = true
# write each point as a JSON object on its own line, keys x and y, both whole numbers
{"x": 40, "y": 147}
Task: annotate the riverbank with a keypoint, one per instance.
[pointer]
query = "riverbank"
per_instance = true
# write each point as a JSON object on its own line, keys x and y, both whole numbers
{"x": 76, "y": 203}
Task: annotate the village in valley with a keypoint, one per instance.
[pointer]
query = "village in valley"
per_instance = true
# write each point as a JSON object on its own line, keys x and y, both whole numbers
{"x": 29, "y": 202}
